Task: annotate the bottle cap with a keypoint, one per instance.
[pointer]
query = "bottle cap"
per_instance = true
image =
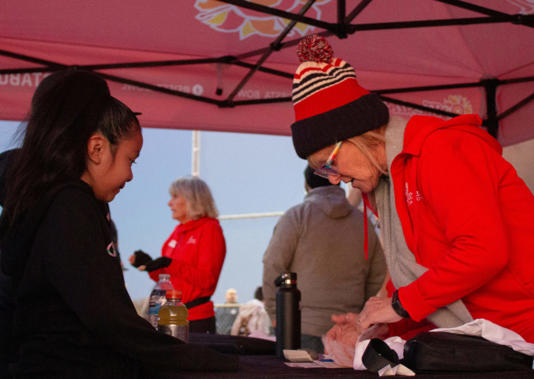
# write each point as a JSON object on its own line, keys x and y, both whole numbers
{"x": 286, "y": 279}
{"x": 173, "y": 294}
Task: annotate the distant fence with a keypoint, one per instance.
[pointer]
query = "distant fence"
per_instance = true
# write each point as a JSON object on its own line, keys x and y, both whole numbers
{"x": 225, "y": 315}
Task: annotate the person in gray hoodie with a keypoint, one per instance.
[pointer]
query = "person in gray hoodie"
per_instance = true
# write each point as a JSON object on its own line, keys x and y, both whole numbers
{"x": 321, "y": 239}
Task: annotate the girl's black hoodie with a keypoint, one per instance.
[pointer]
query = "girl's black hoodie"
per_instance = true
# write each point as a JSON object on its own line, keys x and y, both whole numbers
{"x": 73, "y": 316}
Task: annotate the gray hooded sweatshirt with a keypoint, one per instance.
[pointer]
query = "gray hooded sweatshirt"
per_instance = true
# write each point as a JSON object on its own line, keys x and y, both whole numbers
{"x": 321, "y": 240}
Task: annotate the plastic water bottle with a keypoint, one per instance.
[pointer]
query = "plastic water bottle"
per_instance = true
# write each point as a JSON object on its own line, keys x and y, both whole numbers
{"x": 157, "y": 298}
{"x": 173, "y": 316}
{"x": 287, "y": 313}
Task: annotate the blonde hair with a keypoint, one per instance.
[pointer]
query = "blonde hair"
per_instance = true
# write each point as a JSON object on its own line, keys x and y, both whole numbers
{"x": 197, "y": 195}
{"x": 369, "y": 141}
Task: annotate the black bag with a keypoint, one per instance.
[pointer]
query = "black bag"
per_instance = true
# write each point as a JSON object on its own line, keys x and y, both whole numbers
{"x": 378, "y": 355}
{"x": 442, "y": 351}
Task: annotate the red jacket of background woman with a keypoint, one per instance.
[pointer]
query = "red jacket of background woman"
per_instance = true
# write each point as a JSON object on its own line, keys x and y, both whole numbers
{"x": 197, "y": 249}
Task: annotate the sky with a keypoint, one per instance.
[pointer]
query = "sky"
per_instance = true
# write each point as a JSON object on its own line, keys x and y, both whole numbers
{"x": 247, "y": 173}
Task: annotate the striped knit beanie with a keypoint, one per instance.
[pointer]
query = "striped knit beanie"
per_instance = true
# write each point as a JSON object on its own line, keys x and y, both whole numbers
{"x": 330, "y": 106}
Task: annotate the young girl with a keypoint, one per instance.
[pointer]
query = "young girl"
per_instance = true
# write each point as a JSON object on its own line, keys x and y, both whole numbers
{"x": 73, "y": 316}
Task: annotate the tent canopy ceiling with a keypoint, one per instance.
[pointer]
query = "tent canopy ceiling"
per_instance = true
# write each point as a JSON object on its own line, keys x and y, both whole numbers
{"x": 228, "y": 65}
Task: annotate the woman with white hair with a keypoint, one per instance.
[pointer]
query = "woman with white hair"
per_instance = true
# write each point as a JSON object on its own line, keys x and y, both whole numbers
{"x": 193, "y": 254}
{"x": 456, "y": 220}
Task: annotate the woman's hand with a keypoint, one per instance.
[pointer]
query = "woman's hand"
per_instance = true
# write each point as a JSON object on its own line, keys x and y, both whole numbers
{"x": 340, "y": 340}
{"x": 131, "y": 259}
{"x": 346, "y": 318}
{"x": 139, "y": 259}
{"x": 346, "y": 331}
{"x": 346, "y": 334}
{"x": 377, "y": 310}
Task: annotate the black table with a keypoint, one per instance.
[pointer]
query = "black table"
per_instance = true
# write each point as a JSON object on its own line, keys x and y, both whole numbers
{"x": 269, "y": 366}
{"x": 257, "y": 360}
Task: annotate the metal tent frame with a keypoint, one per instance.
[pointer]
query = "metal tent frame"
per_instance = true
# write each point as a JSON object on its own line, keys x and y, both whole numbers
{"x": 341, "y": 29}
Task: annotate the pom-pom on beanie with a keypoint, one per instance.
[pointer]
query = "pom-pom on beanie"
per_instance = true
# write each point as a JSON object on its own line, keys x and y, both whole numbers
{"x": 330, "y": 106}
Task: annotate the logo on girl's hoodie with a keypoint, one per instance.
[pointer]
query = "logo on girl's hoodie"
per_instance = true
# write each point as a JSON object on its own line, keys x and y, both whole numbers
{"x": 112, "y": 250}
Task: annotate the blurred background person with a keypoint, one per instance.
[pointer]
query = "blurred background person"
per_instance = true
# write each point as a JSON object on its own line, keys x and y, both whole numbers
{"x": 193, "y": 254}
{"x": 252, "y": 319}
{"x": 321, "y": 239}
{"x": 226, "y": 313}
{"x": 230, "y": 296}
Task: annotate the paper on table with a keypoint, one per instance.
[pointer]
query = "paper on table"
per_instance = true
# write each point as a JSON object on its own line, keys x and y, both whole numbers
{"x": 314, "y": 364}
{"x": 395, "y": 370}
{"x": 494, "y": 333}
{"x": 328, "y": 364}
{"x": 303, "y": 359}
{"x": 302, "y": 364}
{"x": 297, "y": 355}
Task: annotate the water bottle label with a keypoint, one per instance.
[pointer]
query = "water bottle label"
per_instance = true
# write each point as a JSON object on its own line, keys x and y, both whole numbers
{"x": 157, "y": 299}
{"x": 154, "y": 309}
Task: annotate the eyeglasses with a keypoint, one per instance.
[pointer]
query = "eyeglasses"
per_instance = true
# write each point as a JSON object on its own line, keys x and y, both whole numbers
{"x": 325, "y": 170}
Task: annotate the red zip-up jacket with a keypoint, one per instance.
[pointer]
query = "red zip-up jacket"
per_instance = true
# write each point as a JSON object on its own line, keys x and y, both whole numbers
{"x": 197, "y": 249}
{"x": 469, "y": 219}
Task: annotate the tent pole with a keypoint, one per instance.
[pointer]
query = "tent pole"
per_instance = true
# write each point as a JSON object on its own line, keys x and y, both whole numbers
{"x": 277, "y": 12}
{"x": 515, "y": 107}
{"x": 472, "y": 7}
{"x": 50, "y": 65}
{"x": 489, "y": 12}
{"x": 273, "y": 46}
{"x": 341, "y": 10}
{"x": 195, "y": 152}
{"x": 492, "y": 122}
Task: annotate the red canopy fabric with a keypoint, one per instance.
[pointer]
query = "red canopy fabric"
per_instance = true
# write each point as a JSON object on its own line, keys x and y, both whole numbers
{"x": 37, "y": 37}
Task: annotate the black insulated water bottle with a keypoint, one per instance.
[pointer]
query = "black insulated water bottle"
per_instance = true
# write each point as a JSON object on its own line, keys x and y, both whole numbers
{"x": 287, "y": 313}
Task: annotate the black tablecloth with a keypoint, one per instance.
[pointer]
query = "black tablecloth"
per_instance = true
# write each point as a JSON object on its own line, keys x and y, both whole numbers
{"x": 269, "y": 366}
{"x": 257, "y": 360}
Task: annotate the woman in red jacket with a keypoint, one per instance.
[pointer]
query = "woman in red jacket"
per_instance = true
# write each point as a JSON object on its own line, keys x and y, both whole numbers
{"x": 194, "y": 252}
{"x": 457, "y": 222}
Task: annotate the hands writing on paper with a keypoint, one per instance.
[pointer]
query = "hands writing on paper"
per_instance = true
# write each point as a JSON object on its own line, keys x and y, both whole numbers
{"x": 377, "y": 310}
{"x": 346, "y": 330}
{"x": 371, "y": 322}
{"x": 340, "y": 340}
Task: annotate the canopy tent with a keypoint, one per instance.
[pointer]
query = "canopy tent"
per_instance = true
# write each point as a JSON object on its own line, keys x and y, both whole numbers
{"x": 228, "y": 65}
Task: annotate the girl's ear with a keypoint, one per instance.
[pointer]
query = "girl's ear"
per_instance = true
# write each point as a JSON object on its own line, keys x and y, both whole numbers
{"x": 95, "y": 147}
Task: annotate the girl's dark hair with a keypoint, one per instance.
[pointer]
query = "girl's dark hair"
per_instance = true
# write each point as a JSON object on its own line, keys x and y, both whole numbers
{"x": 68, "y": 107}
